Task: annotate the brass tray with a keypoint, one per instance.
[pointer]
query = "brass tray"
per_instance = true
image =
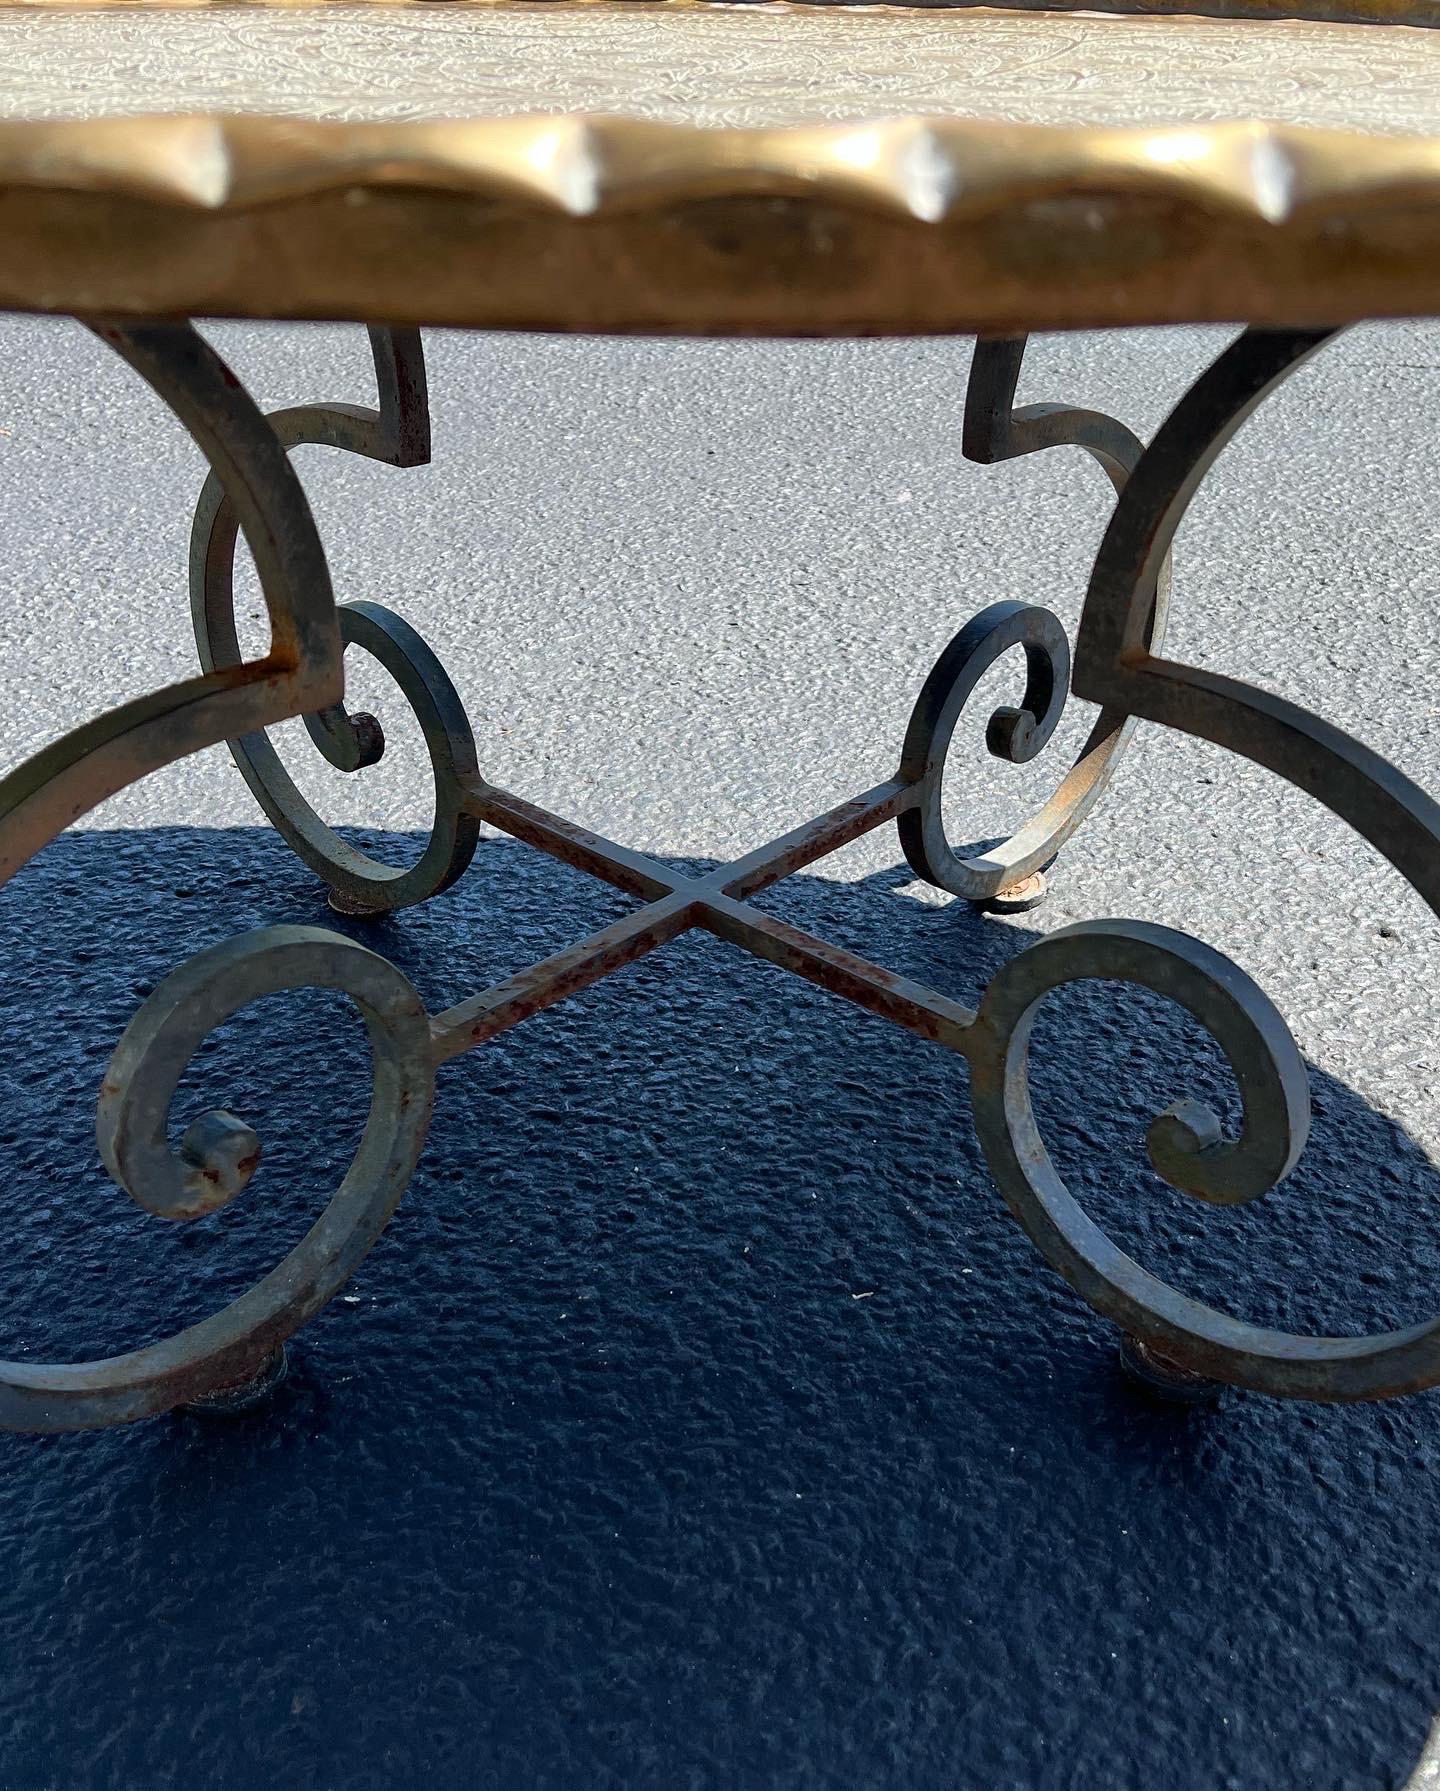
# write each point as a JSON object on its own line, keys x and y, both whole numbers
{"x": 775, "y": 169}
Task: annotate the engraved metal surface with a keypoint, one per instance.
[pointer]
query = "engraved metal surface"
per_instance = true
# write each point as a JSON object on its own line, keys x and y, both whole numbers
{"x": 749, "y": 66}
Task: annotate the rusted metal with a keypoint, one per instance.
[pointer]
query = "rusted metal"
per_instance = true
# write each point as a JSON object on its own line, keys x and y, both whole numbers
{"x": 1165, "y": 1379}
{"x": 1004, "y": 876}
{"x": 714, "y": 902}
{"x": 480, "y": 1019}
{"x": 242, "y": 1396}
{"x": 303, "y": 668}
{"x": 397, "y": 433}
{"x": 1175, "y": 1343}
{"x": 232, "y": 1348}
{"x": 301, "y": 672}
{"x": 1115, "y": 665}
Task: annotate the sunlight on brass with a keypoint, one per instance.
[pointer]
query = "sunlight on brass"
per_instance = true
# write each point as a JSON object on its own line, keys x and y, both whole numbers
{"x": 786, "y": 170}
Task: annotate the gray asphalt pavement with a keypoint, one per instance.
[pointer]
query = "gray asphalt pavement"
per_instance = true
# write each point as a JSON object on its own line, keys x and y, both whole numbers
{"x": 689, "y": 592}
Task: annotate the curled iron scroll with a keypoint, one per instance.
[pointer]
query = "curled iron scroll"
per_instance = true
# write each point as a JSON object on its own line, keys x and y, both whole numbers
{"x": 216, "y": 1159}
{"x": 301, "y": 671}
{"x": 397, "y": 433}
{"x": 995, "y": 429}
{"x": 1185, "y": 1142}
{"x": 1115, "y": 665}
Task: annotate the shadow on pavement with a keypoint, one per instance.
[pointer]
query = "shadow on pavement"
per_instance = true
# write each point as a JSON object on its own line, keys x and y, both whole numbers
{"x": 702, "y": 1419}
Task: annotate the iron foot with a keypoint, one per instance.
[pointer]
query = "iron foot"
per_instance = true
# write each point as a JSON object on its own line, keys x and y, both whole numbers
{"x": 1019, "y": 898}
{"x": 243, "y": 1396}
{"x": 1153, "y": 1370}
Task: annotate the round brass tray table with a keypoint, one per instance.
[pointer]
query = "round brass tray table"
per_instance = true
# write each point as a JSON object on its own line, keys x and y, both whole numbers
{"x": 710, "y": 170}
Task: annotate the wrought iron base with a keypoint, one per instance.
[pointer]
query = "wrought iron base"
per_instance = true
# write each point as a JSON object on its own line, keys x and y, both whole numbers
{"x": 1172, "y": 1341}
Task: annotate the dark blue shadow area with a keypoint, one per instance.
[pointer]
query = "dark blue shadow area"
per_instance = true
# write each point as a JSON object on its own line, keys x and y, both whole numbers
{"x": 702, "y": 1419}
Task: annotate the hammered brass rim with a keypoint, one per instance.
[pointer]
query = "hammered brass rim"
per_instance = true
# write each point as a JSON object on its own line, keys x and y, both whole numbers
{"x": 624, "y": 224}
{"x": 928, "y": 170}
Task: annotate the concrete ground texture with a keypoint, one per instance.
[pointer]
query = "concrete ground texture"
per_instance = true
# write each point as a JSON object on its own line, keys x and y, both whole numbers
{"x": 703, "y": 1419}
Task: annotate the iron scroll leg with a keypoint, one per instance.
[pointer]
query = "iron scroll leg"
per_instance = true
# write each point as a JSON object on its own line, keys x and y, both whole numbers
{"x": 300, "y": 673}
{"x": 1010, "y": 877}
{"x": 397, "y": 433}
{"x": 1116, "y": 665}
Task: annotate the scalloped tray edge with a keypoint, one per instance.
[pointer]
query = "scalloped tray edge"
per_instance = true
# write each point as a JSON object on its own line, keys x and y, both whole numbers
{"x": 666, "y": 226}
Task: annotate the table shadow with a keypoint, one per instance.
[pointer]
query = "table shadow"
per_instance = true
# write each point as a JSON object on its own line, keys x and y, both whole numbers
{"x": 702, "y": 1419}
